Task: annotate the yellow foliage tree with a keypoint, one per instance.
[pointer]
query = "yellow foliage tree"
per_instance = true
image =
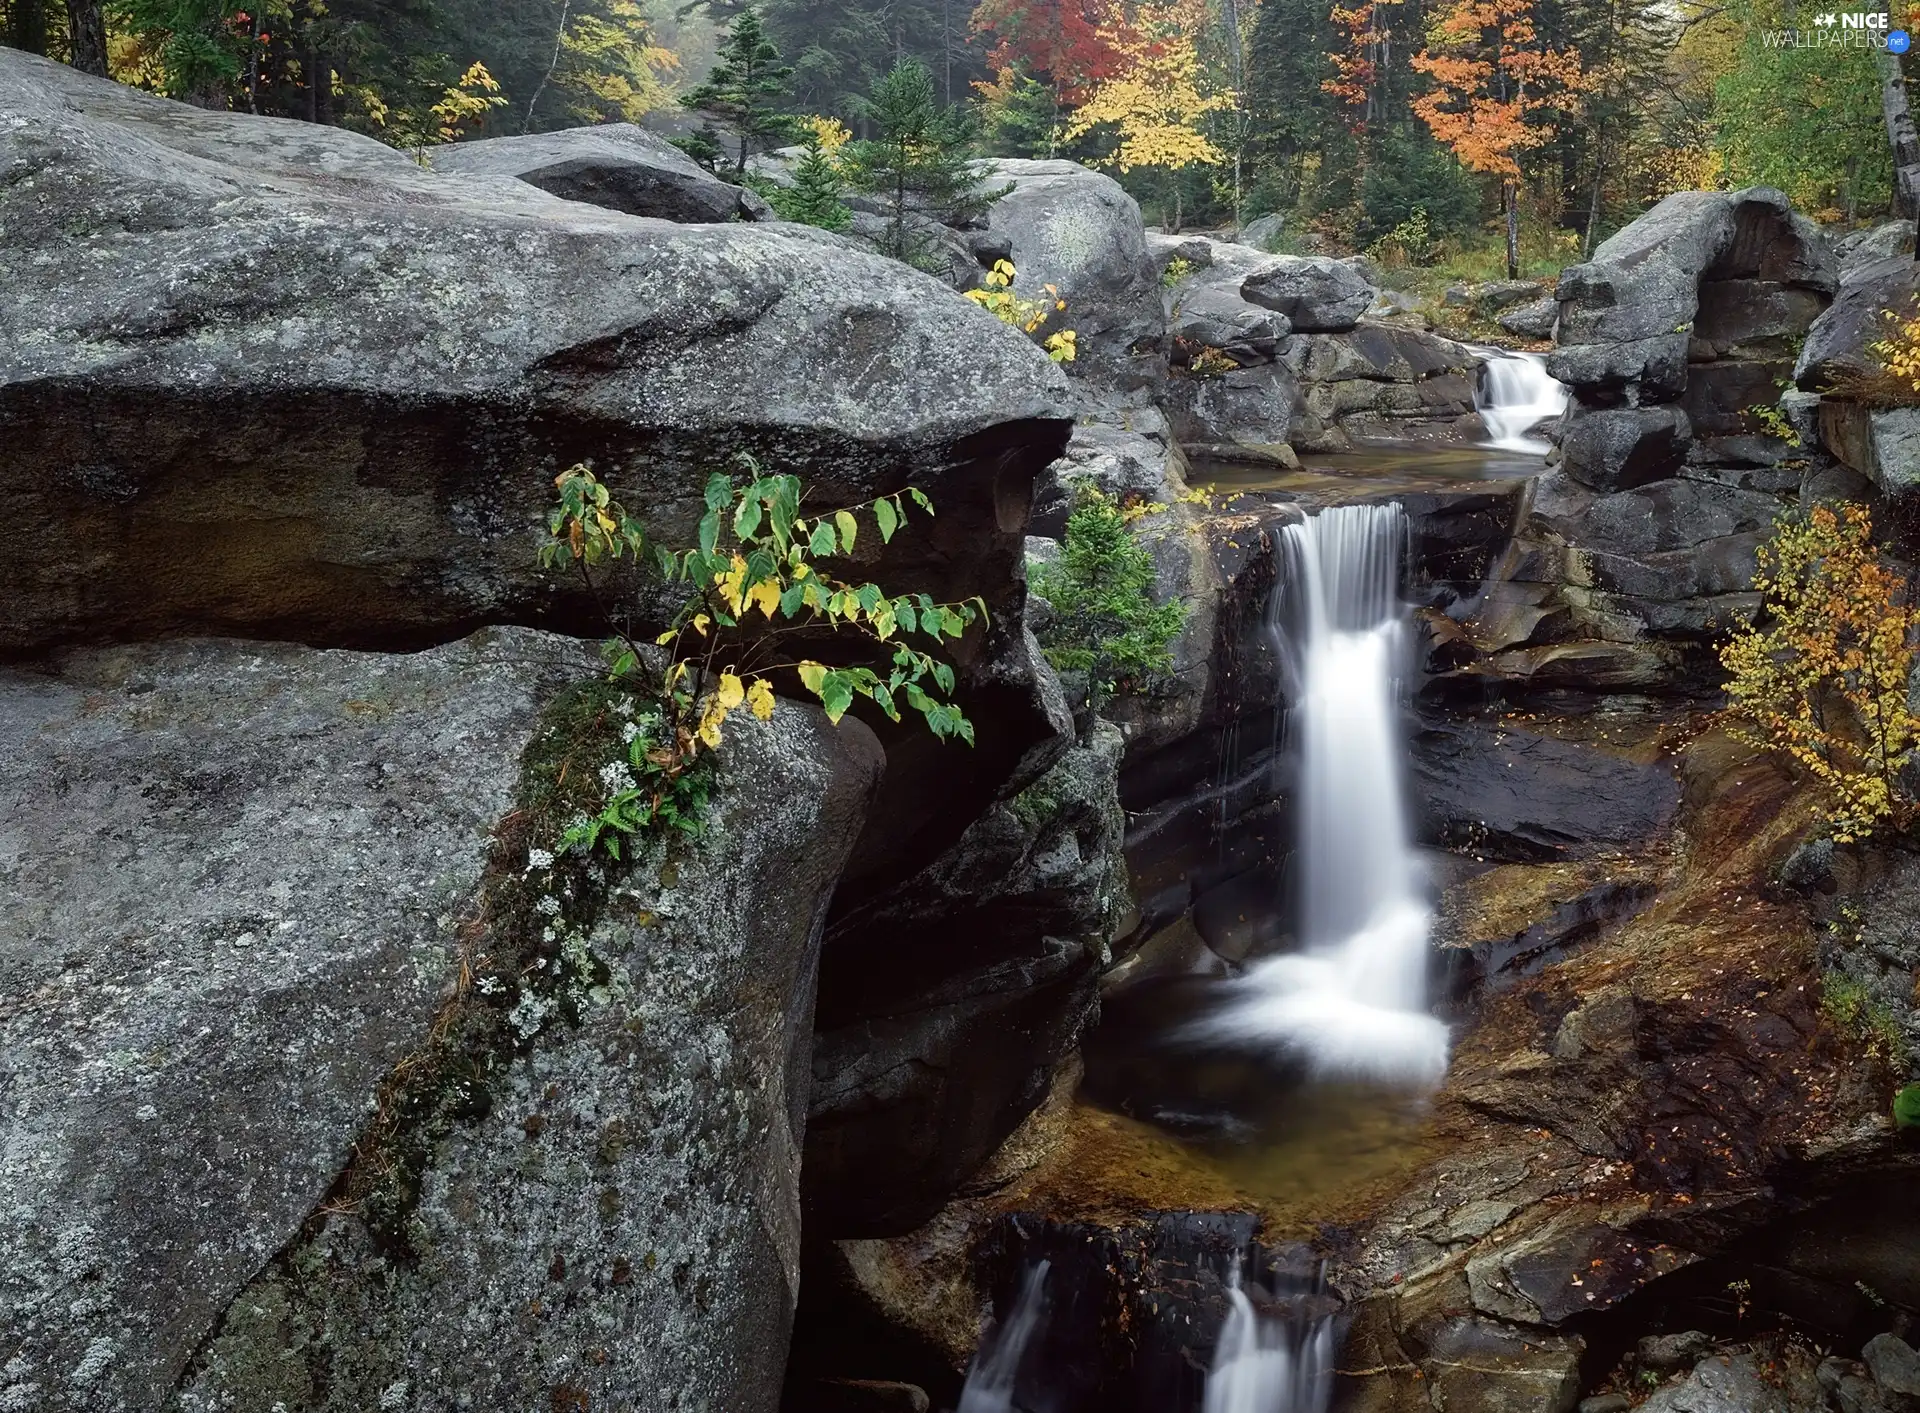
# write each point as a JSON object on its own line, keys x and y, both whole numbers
{"x": 1154, "y": 99}
{"x": 611, "y": 69}
{"x": 1825, "y": 682}
{"x": 996, "y": 296}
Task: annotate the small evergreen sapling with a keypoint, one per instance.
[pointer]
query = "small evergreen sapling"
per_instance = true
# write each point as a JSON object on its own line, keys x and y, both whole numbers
{"x": 814, "y": 197}
{"x": 919, "y": 160}
{"x": 745, "y": 88}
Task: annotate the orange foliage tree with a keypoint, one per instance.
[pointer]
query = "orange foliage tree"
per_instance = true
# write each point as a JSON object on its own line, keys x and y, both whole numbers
{"x": 1825, "y": 681}
{"x": 1491, "y": 77}
{"x": 1356, "y": 65}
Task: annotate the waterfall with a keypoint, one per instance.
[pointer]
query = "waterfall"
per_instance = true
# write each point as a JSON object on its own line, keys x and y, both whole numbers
{"x": 1351, "y": 1001}
{"x": 996, "y": 1368}
{"x": 1513, "y": 395}
{"x": 1267, "y": 1364}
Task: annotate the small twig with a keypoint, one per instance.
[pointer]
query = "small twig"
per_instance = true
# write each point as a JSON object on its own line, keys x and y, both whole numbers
{"x": 559, "y": 43}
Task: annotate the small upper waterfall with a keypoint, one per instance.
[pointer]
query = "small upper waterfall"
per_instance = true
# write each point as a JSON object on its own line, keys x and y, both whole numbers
{"x": 1268, "y": 1364}
{"x": 1515, "y": 394}
{"x": 1351, "y": 1001}
{"x": 995, "y": 1371}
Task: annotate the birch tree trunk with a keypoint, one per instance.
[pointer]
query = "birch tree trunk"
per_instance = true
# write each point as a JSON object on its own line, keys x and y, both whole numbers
{"x": 1901, "y": 136}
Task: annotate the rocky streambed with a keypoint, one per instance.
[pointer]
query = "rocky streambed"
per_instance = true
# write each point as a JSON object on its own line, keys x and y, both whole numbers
{"x": 818, "y": 1098}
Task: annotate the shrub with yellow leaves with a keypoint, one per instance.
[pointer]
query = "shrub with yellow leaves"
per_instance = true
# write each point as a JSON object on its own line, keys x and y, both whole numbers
{"x": 1825, "y": 682}
{"x": 754, "y": 580}
{"x": 1029, "y": 316}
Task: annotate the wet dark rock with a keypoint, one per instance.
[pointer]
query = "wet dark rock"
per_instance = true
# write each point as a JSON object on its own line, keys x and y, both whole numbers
{"x": 1616, "y": 449}
{"x": 1217, "y": 318}
{"x": 1478, "y": 965}
{"x": 1857, "y": 249}
{"x": 1495, "y": 1368}
{"x": 1882, "y": 444}
{"x": 615, "y": 165}
{"x": 946, "y": 1004}
{"x": 1508, "y": 793}
{"x": 1728, "y": 1384}
{"x": 1850, "y": 1388}
{"x": 862, "y": 1396}
{"x": 1605, "y": 1403}
{"x": 1837, "y": 341}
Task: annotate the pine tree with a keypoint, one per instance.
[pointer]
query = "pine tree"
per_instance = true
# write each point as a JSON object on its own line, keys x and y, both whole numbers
{"x": 746, "y": 86}
{"x": 814, "y": 197}
{"x": 918, "y": 161}
{"x": 703, "y": 146}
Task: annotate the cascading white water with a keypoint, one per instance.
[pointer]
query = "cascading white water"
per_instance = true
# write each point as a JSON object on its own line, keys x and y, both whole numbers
{"x": 1350, "y": 1002}
{"x": 995, "y": 1371}
{"x": 1265, "y": 1364}
{"x": 1514, "y": 395}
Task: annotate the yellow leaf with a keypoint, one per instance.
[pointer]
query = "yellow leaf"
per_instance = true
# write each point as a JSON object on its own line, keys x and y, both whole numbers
{"x": 760, "y": 699}
{"x": 812, "y": 675}
{"x": 665, "y": 638}
{"x": 766, "y": 594}
{"x": 700, "y": 622}
{"x": 731, "y": 692}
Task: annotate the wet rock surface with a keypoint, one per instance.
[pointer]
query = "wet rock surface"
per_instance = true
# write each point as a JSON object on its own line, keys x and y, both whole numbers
{"x": 618, "y": 165}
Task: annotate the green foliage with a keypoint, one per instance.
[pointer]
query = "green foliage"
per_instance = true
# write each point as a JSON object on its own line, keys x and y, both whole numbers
{"x": 1020, "y": 117}
{"x": 814, "y": 199}
{"x": 918, "y": 160}
{"x": 1409, "y": 243}
{"x": 197, "y": 44}
{"x": 703, "y": 146}
{"x": 1906, "y": 1108}
{"x": 1773, "y": 423}
{"x": 1105, "y": 621}
{"x": 1177, "y": 270}
{"x": 755, "y": 554}
{"x": 1854, "y": 1011}
{"x": 1409, "y": 176}
{"x": 746, "y": 88}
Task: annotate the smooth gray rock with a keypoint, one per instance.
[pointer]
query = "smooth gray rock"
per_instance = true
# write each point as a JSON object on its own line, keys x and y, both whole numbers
{"x": 1857, "y": 249}
{"x": 1316, "y": 293}
{"x": 1670, "y": 1353}
{"x": 1212, "y": 317}
{"x": 1678, "y": 514}
{"x": 1491, "y": 1367}
{"x": 233, "y": 880}
{"x": 1616, "y": 449}
{"x": 1490, "y": 295}
{"x": 1882, "y": 444}
{"x": 619, "y": 1224}
{"x": 934, "y": 247}
{"x": 1723, "y": 1384}
{"x": 1837, "y": 343}
{"x": 617, "y": 165}
{"x": 1077, "y": 230}
{"x": 1895, "y": 1366}
{"x": 1533, "y": 318}
{"x": 271, "y": 379}
{"x": 1606, "y": 1403}
{"x": 1262, "y": 231}
{"x": 947, "y": 1003}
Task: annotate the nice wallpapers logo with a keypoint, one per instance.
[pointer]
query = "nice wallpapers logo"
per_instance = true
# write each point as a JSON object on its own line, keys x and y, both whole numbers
{"x": 1843, "y": 29}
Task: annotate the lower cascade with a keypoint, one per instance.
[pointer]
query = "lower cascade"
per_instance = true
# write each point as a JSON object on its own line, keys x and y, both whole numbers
{"x": 994, "y": 1377}
{"x": 1266, "y": 1363}
{"x": 1350, "y": 1002}
{"x": 1514, "y": 395}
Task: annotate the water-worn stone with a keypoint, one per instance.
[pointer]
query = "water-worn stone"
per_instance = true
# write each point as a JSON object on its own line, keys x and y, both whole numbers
{"x": 1858, "y": 249}
{"x": 1837, "y": 343}
{"x": 1670, "y": 1353}
{"x": 1262, "y": 231}
{"x": 1078, "y": 231}
{"x": 1533, "y": 319}
{"x": 616, "y": 165}
{"x": 1317, "y": 294}
{"x": 1882, "y": 444}
{"x": 1724, "y": 1384}
{"x": 1895, "y": 1366}
{"x": 233, "y": 879}
{"x": 611, "y": 1216}
{"x": 271, "y": 379}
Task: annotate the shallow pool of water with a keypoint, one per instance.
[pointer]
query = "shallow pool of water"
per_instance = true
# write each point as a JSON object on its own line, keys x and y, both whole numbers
{"x": 1334, "y": 478}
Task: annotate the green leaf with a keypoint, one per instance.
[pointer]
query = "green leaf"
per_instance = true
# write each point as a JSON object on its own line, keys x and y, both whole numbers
{"x": 836, "y": 695}
{"x": 920, "y": 499}
{"x": 884, "y": 698}
{"x": 903, "y": 612}
{"x": 709, "y": 531}
{"x": 848, "y": 529}
{"x": 1906, "y": 1107}
{"x": 821, "y": 541}
{"x": 746, "y": 520}
{"x": 792, "y": 598}
{"x": 954, "y": 625}
{"x": 943, "y": 676}
{"x": 869, "y": 597}
{"x": 719, "y": 491}
{"x": 888, "y": 516}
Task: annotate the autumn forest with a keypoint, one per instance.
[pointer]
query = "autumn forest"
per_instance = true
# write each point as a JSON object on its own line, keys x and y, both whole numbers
{"x": 1455, "y": 134}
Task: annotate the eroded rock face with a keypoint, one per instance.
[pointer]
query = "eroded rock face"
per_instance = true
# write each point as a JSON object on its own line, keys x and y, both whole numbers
{"x": 617, "y": 165}
{"x": 269, "y": 379}
{"x": 948, "y": 1003}
{"x": 1317, "y": 294}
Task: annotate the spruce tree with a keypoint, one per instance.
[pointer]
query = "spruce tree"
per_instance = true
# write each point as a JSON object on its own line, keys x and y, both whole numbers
{"x": 746, "y": 87}
{"x": 814, "y": 197}
{"x": 918, "y": 160}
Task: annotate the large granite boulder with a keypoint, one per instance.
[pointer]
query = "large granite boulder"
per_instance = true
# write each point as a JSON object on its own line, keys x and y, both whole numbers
{"x": 1617, "y": 448}
{"x": 272, "y": 1144}
{"x": 1837, "y": 342}
{"x": 617, "y": 165}
{"x": 1700, "y": 301}
{"x": 1078, "y": 231}
{"x": 264, "y": 378}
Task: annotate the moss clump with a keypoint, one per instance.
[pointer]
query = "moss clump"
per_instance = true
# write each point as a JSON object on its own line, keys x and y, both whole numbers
{"x": 1854, "y": 1011}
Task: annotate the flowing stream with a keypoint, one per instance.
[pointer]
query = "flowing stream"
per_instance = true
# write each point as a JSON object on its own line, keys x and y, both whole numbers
{"x": 994, "y": 1376}
{"x": 1351, "y": 1001}
{"x": 1267, "y": 1364}
{"x": 1514, "y": 395}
